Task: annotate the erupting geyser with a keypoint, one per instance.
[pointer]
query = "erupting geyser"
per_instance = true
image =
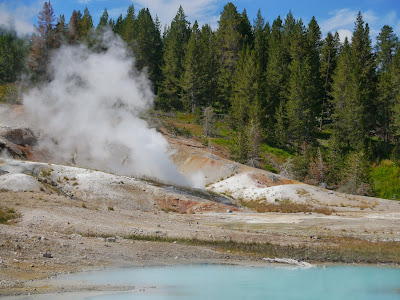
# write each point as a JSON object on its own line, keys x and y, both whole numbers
{"x": 90, "y": 112}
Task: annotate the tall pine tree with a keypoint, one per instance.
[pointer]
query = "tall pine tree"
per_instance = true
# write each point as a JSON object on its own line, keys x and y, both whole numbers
{"x": 174, "y": 50}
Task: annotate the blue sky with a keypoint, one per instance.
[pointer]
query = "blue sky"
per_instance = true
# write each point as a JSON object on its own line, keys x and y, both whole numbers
{"x": 337, "y": 15}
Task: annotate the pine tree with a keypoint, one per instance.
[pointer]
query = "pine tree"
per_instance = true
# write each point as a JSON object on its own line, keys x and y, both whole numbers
{"x": 301, "y": 90}
{"x": 329, "y": 54}
{"x": 86, "y": 24}
{"x": 354, "y": 90}
{"x": 244, "y": 87}
{"x": 313, "y": 49}
{"x": 277, "y": 76}
{"x": 364, "y": 71}
{"x": 61, "y": 31}
{"x": 386, "y": 100}
{"x": 191, "y": 77}
{"x": 148, "y": 46}
{"x": 43, "y": 41}
{"x": 209, "y": 67}
{"x": 395, "y": 79}
{"x": 230, "y": 42}
{"x": 74, "y": 25}
{"x": 349, "y": 129}
{"x": 103, "y": 20}
{"x": 245, "y": 30}
{"x": 172, "y": 70}
{"x": 128, "y": 30}
{"x": 261, "y": 34}
{"x": 13, "y": 53}
{"x": 119, "y": 24}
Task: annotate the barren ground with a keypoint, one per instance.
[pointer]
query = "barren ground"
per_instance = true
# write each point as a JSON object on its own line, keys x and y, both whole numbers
{"x": 70, "y": 213}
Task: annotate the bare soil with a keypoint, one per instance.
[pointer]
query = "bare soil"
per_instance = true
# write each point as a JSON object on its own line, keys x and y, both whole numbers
{"x": 66, "y": 220}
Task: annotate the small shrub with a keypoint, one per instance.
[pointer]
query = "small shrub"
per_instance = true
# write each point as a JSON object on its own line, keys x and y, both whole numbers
{"x": 111, "y": 208}
{"x": 7, "y": 214}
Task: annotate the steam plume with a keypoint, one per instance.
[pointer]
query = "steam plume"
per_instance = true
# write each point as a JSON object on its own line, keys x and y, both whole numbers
{"x": 90, "y": 112}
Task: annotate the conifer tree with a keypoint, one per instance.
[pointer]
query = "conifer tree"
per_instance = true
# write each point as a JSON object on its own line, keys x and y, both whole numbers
{"x": 245, "y": 30}
{"x": 329, "y": 55}
{"x": 61, "y": 31}
{"x": 174, "y": 49}
{"x": 395, "y": 79}
{"x": 119, "y": 24}
{"x": 86, "y": 24}
{"x": 191, "y": 77}
{"x": 301, "y": 90}
{"x": 209, "y": 66}
{"x": 261, "y": 34}
{"x": 128, "y": 29}
{"x": 148, "y": 46}
{"x": 12, "y": 55}
{"x": 277, "y": 76}
{"x": 349, "y": 129}
{"x": 386, "y": 100}
{"x": 354, "y": 90}
{"x": 74, "y": 28}
{"x": 230, "y": 42}
{"x": 313, "y": 48}
{"x": 364, "y": 71}
{"x": 244, "y": 87}
{"x": 103, "y": 20}
{"x": 43, "y": 41}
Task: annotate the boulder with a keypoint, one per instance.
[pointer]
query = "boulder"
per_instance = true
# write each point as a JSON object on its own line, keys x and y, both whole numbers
{"x": 21, "y": 136}
{"x": 11, "y": 148}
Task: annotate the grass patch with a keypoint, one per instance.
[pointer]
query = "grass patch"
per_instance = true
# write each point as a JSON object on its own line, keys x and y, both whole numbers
{"x": 284, "y": 206}
{"x": 222, "y": 141}
{"x": 7, "y": 214}
{"x": 386, "y": 180}
{"x": 281, "y": 153}
{"x": 330, "y": 249}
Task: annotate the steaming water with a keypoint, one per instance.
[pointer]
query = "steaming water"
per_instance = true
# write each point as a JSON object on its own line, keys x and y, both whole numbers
{"x": 228, "y": 282}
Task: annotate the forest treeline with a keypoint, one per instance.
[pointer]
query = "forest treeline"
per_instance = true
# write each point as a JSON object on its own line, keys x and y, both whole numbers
{"x": 335, "y": 105}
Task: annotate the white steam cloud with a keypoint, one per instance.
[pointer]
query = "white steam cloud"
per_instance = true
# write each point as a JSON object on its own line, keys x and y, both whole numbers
{"x": 90, "y": 112}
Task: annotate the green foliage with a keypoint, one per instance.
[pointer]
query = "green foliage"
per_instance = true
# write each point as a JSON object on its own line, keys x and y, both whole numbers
{"x": 13, "y": 53}
{"x": 357, "y": 178}
{"x": 385, "y": 179}
{"x": 174, "y": 51}
{"x": 10, "y": 93}
{"x": 147, "y": 44}
{"x": 244, "y": 87}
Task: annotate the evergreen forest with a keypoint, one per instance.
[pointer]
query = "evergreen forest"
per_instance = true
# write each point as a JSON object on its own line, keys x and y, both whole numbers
{"x": 278, "y": 95}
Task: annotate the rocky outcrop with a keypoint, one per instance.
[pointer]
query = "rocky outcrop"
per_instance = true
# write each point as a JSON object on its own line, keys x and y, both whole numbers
{"x": 21, "y": 137}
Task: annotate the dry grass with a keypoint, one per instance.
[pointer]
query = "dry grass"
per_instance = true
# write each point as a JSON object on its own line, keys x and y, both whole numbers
{"x": 7, "y": 214}
{"x": 329, "y": 249}
{"x": 285, "y": 206}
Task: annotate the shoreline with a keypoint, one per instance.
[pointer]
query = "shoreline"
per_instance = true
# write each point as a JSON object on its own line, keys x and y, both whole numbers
{"x": 56, "y": 285}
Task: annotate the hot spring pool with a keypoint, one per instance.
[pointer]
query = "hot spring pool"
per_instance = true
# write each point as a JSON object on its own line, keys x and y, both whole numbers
{"x": 234, "y": 282}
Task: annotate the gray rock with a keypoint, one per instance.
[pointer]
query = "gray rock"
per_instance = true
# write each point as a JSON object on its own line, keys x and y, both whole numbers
{"x": 21, "y": 136}
{"x": 47, "y": 254}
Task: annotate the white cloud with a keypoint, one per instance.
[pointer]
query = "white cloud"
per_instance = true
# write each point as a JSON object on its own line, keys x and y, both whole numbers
{"x": 204, "y": 11}
{"x": 19, "y": 17}
{"x": 343, "y": 34}
{"x": 115, "y": 12}
{"x": 84, "y": 1}
{"x": 343, "y": 21}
